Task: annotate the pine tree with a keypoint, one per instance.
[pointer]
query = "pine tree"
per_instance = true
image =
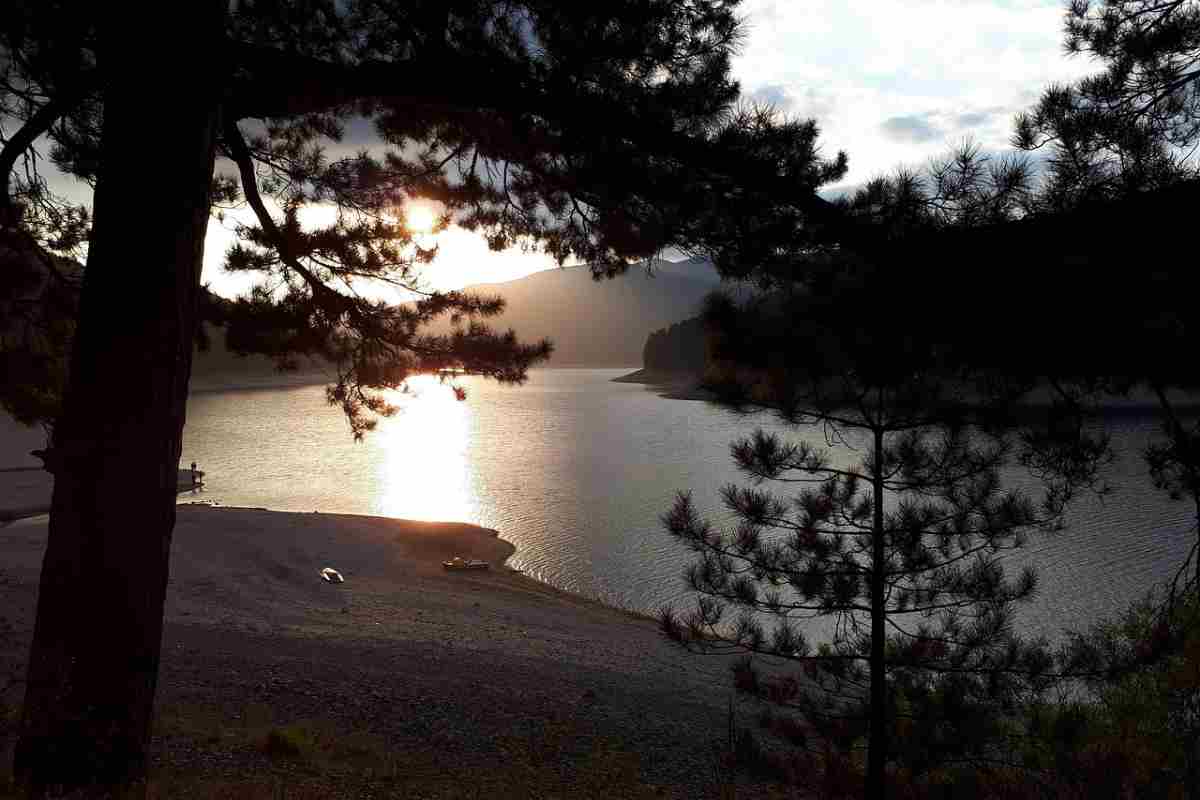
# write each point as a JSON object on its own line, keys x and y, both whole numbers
{"x": 599, "y": 133}
{"x": 1133, "y": 126}
{"x": 893, "y": 532}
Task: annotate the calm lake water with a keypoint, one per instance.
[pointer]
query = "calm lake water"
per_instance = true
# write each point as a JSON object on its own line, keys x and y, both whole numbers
{"x": 574, "y": 470}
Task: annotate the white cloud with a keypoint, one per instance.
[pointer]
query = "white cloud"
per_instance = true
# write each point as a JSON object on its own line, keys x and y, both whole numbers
{"x": 810, "y": 103}
{"x": 915, "y": 128}
{"x": 901, "y": 81}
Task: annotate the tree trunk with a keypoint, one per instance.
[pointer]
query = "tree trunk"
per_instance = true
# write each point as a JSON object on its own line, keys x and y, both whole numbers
{"x": 93, "y": 666}
{"x": 877, "y": 744}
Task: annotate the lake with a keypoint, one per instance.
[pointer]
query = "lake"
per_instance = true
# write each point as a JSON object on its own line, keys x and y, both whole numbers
{"x": 575, "y": 470}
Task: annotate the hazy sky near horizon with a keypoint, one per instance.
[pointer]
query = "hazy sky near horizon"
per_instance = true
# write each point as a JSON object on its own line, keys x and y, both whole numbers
{"x": 891, "y": 82}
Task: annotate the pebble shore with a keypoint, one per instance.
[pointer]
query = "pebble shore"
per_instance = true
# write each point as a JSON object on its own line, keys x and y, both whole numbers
{"x": 446, "y": 668}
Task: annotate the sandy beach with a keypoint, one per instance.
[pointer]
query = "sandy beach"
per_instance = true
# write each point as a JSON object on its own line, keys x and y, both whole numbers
{"x": 445, "y": 669}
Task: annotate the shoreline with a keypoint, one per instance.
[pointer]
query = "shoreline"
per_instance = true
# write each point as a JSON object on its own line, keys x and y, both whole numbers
{"x": 372, "y": 546}
{"x": 43, "y": 482}
{"x": 224, "y": 382}
{"x": 498, "y": 568}
{"x": 218, "y": 384}
{"x": 25, "y": 494}
{"x": 673, "y": 385}
{"x": 668, "y": 384}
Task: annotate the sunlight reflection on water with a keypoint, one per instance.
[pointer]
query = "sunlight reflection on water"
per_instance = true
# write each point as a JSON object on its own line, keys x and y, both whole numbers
{"x": 423, "y": 472}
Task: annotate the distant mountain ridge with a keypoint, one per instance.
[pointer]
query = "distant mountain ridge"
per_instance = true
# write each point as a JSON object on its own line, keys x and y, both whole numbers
{"x": 219, "y": 369}
{"x": 592, "y": 323}
{"x": 602, "y": 323}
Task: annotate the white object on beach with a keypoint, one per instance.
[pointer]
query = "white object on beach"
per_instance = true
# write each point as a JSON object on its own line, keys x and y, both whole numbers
{"x": 331, "y": 575}
{"x": 458, "y": 562}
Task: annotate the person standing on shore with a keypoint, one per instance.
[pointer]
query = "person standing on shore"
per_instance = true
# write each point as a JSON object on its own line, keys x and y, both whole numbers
{"x": 194, "y": 475}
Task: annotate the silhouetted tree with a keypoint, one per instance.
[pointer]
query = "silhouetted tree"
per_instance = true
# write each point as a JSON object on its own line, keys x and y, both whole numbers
{"x": 1133, "y": 126}
{"x": 601, "y": 133}
{"x": 679, "y": 347}
{"x": 963, "y": 189}
{"x": 1130, "y": 129}
{"x": 900, "y": 548}
{"x": 37, "y": 310}
{"x": 895, "y": 531}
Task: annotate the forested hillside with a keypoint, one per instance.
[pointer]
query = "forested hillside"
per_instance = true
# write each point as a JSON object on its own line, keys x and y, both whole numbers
{"x": 678, "y": 348}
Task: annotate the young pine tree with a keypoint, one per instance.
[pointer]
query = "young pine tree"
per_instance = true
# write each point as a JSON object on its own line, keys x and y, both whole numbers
{"x": 893, "y": 532}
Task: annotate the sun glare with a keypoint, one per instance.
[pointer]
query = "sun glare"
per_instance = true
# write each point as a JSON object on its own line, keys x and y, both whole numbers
{"x": 424, "y": 473}
{"x": 420, "y": 219}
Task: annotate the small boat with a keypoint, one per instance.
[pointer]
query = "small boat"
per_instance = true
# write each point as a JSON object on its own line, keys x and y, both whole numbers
{"x": 331, "y": 575}
{"x": 458, "y": 562}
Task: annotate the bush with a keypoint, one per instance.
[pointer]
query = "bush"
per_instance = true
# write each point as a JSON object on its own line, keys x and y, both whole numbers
{"x": 1124, "y": 723}
{"x": 1133, "y": 729}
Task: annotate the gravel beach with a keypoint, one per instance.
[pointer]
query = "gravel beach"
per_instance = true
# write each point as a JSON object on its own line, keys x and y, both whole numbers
{"x": 445, "y": 669}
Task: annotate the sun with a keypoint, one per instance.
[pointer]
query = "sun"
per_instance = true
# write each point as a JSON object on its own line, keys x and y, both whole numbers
{"x": 420, "y": 218}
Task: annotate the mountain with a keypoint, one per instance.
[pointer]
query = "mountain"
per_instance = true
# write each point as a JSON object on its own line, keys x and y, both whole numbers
{"x": 601, "y": 323}
{"x": 592, "y": 323}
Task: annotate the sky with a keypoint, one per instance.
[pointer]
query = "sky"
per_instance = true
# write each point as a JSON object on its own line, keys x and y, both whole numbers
{"x": 891, "y": 82}
{"x": 898, "y": 82}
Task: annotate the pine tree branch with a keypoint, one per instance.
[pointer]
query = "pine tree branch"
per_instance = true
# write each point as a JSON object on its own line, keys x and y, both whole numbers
{"x": 21, "y": 141}
{"x": 964, "y": 602}
{"x": 734, "y": 599}
{"x": 10, "y": 223}
{"x": 965, "y": 553}
{"x": 1159, "y": 96}
{"x": 245, "y": 163}
{"x": 826, "y": 471}
{"x": 717, "y": 643}
{"x": 282, "y": 84}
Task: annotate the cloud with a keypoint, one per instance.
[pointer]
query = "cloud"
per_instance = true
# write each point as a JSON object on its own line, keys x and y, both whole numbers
{"x": 773, "y": 95}
{"x": 841, "y": 191}
{"x": 973, "y": 119}
{"x": 806, "y": 103}
{"x": 913, "y": 128}
{"x": 941, "y": 125}
{"x": 899, "y": 81}
{"x": 984, "y": 117}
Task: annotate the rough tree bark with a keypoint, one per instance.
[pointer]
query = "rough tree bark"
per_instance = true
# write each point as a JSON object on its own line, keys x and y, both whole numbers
{"x": 94, "y": 661}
